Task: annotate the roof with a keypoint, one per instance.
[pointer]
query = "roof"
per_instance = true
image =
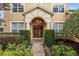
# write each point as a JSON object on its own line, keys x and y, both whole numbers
{"x": 40, "y": 9}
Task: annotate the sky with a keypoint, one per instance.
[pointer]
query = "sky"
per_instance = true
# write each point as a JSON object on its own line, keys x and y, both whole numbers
{"x": 73, "y": 5}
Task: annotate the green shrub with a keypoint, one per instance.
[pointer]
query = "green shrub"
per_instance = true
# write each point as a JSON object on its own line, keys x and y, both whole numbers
{"x": 26, "y": 34}
{"x": 16, "y": 50}
{"x": 71, "y": 26}
{"x": 29, "y": 52}
{"x": 1, "y": 52}
{"x": 9, "y": 53}
{"x": 49, "y": 37}
{"x": 63, "y": 50}
{"x": 10, "y": 50}
{"x": 26, "y": 43}
{"x": 21, "y": 50}
{"x": 27, "y": 38}
{"x": 15, "y": 33}
{"x": 11, "y": 46}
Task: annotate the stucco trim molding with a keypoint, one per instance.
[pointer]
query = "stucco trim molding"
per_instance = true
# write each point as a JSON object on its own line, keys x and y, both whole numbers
{"x": 40, "y": 9}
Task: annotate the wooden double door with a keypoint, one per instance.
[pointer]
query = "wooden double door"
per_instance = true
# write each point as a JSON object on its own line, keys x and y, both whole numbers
{"x": 38, "y": 31}
{"x": 37, "y": 27}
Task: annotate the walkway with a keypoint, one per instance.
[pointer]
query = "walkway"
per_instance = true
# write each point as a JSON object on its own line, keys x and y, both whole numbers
{"x": 37, "y": 47}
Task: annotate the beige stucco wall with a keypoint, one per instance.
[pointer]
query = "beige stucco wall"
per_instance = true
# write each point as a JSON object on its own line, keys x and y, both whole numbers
{"x": 9, "y": 16}
{"x": 60, "y": 16}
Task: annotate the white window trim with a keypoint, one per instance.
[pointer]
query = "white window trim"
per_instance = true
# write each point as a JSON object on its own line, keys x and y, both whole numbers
{"x": 56, "y": 12}
{"x": 52, "y": 22}
{"x": 15, "y": 21}
{"x": 17, "y": 12}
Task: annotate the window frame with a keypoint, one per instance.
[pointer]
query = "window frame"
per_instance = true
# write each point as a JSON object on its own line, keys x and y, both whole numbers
{"x": 2, "y": 30}
{"x": 18, "y": 26}
{"x": 58, "y": 8}
{"x": 52, "y": 25}
{"x": 17, "y": 11}
{"x": 1, "y": 26}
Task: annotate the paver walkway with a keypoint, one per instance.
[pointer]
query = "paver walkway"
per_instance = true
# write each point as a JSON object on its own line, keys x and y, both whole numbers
{"x": 38, "y": 49}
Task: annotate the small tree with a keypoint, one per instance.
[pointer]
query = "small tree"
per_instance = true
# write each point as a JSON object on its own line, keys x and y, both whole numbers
{"x": 71, "y": 26}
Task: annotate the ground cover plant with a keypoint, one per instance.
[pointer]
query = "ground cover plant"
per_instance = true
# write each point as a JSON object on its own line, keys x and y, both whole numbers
{"x": 14, "y": 49}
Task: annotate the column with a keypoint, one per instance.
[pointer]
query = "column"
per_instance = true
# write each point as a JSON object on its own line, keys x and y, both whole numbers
{"x": 27, "y": 26}
{"x": 48, "y": 25}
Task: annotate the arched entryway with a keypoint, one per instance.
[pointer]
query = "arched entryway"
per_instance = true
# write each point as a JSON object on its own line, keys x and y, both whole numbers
{"x": 37, "y": 25}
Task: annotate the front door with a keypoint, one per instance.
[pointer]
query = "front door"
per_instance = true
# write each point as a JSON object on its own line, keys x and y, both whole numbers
{"x": 37, "y": 27}
{"x": 38, "y": 31}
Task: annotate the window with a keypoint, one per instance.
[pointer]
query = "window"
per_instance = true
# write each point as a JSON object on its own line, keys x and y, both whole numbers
{"x": 61, "y": 8}
{"x": 1, "y": 23}
{"x": 58, "y": 26}
{"x": 16, "y": 26}
{"x": 17, "y": 7}
{"x": 1, "y": 29}
{"x": 58, "y": 8}
{"x": 55, "y": 8}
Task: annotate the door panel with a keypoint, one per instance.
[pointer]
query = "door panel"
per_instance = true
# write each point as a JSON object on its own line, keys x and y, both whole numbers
{"x": 37, "y": 31}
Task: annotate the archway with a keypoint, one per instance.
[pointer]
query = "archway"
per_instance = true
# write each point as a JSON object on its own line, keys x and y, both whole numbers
{"x": 38, "y": 25}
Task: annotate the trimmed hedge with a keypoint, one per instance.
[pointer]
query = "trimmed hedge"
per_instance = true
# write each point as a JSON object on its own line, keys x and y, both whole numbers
{"x": 26, "y": 34}
{"x": 15, "y": 33}
{"x": 49, "y": 37}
